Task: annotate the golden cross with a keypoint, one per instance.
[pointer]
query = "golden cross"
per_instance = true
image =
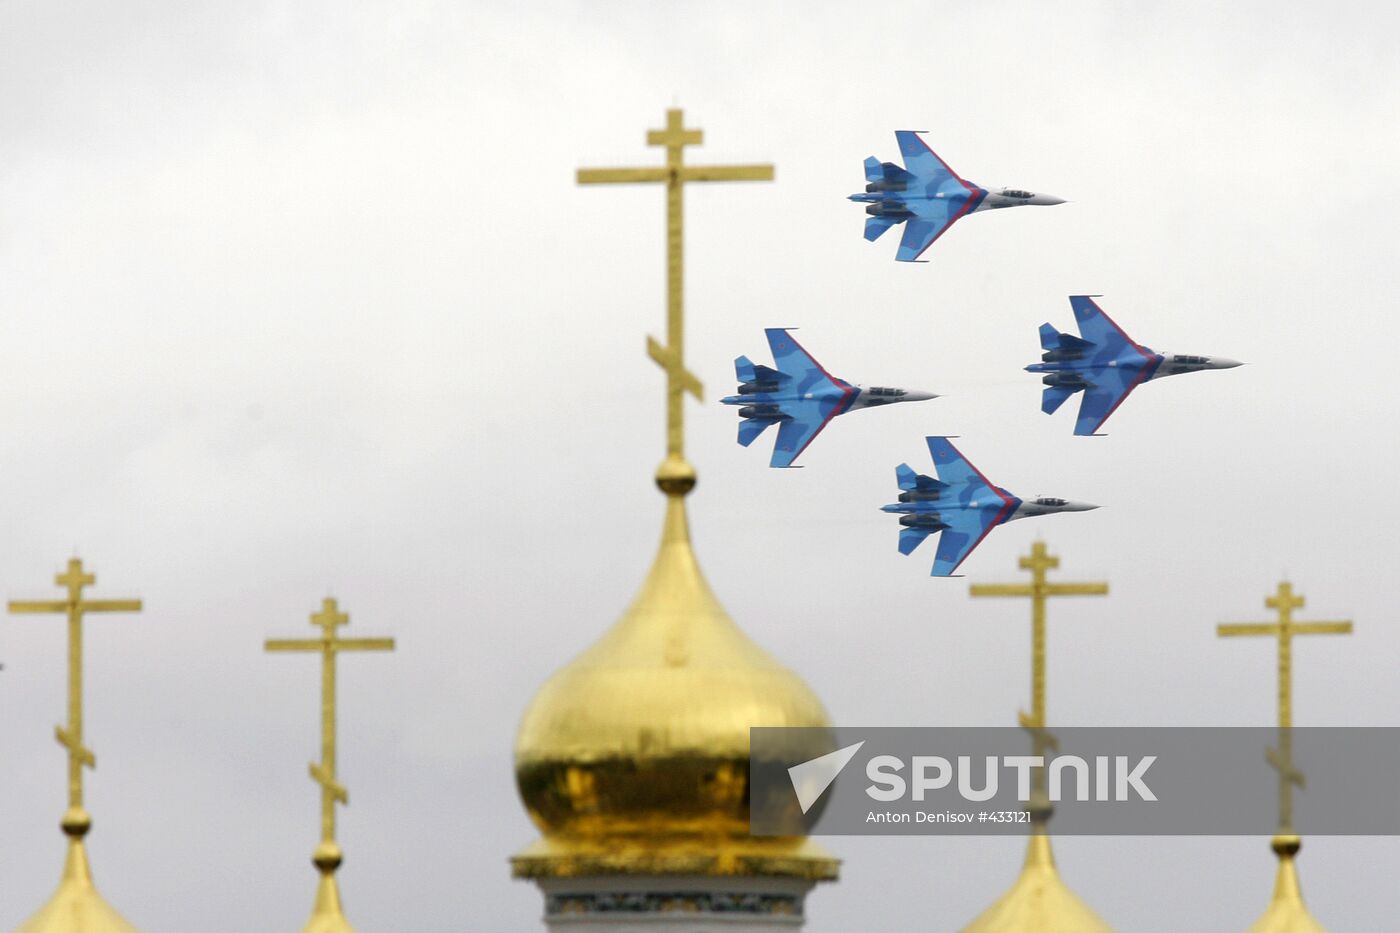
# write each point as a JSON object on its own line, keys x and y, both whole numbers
{"x": 1285, "y": 628}
{"x": 671, "y": 357}
{"x": 1037, "y": 562}
{"x": 329, "y": 644}
{"x": 71, "y": 738}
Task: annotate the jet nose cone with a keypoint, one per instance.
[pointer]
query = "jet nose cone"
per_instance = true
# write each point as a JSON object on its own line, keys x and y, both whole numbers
{"x": 1220, "y": 362}
{"x": 1080, "y": 507}
{"x": 1047, "y": 199}
{"x": 916, "y": 395}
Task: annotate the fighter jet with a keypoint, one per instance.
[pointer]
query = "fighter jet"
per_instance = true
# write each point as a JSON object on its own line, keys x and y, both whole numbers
{"x": 799, "y": 396}
{"x": 961, "y": 503}
{"x": 1104, "y": 363}
{"x": 927, "y": 196}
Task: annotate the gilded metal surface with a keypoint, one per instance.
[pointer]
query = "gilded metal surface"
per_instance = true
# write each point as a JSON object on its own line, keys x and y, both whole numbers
{"x": 76, "y": 907}
{"x": 1286, "y": 913}
{"x": 1039, "y": 902}
{"x": 634, "y": 758}
{"x": 326, "y": 913}
{"x": 674, "y": 175}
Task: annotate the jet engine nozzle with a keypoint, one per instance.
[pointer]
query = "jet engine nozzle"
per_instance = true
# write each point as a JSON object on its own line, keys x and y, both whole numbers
{"x": 888, "y": 209}
{"x": 1066, "y": 380}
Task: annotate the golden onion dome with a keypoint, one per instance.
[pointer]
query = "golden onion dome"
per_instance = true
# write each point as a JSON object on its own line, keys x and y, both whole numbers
{"x": 634, "y": 758}
{"x": 1039, "y": 902}
{"x": 1287, "y": 913}
{"x": 76, "y": 907}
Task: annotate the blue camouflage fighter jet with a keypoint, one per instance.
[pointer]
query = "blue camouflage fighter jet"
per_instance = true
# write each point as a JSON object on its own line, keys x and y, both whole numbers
{"x": 1104, "y": 363}
{"x": 799, "y": 396}
{"x": 961, "y": 503}
{"x": 927, "y": 196}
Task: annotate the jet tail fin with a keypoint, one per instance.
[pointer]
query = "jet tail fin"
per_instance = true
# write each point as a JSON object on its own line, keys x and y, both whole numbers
{"x": 875, "y": 226}
{"x": 1054, "y": 397}
{"x": 886, "y": 173}
{"x": 743, "y": 369}
{"x": 910, "y": 538}
{"x": 750, "y": 429}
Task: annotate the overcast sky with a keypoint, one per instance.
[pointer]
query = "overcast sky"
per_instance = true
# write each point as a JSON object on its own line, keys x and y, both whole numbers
{"x": 299, "y": 299}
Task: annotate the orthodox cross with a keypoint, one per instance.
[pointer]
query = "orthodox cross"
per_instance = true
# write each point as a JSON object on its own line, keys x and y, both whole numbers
{"x": 1038, "y": 562}
{"x": 674, "y": 174}
{"x": 71, "y": 738}
{"x": 329, "y": 644}
{"x": 1285, "y": 628}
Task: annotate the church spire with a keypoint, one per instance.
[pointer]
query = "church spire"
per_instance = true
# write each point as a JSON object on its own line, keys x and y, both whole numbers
{"x": 675, "y": 472}
{"x": 1286, "y": 913}
{"x": 76, "y": 907}
{"x": 633, "y": 759}
{"x": 326, "y": 913}
{"x": 1038, "y": 900}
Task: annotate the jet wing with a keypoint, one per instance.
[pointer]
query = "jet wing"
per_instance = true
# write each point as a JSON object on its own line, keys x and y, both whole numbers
{"x": 983, "y": 506}
{"x": 932, "y": 171}
{"x": 806, "y": 417}
{"x": 955, "y": 470}
{"x": 922, "y": 229}
{"x": 1103, "y": 398}
{"x": 797, "y": 364}
{"x": 932, "y": 216}
{"x": 1099, "y": 328}
{"x": 966, "y": 529}
{"x": 804, "y": 421}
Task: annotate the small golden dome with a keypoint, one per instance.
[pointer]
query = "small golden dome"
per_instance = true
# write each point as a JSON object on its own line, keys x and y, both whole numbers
{"x": 76, "y": 907}
{"x": 634, "y": 758}
{"x": 326, "y": 914}
{"x": 1287, "y": 913}
{"x": 1039, "y": 902}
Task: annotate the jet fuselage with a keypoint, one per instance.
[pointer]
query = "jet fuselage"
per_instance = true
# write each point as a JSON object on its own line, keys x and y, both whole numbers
{"x": 762, "y": 400}
{"x": 920, "y": 509}
{"x": 1067, "y": 367}
{"x": 890, "y": 200}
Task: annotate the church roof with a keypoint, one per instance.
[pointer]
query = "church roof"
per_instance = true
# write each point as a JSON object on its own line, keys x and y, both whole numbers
{"x": 634, "y": 758}
{"x": 1286, "y": 913}
{"x": 1039, "y": 901}
{"x": 76, "y": 907}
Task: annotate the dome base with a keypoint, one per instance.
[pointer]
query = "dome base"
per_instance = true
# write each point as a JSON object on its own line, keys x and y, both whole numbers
{"x": 742, "y": 857}
{"x": 641, "y": 904}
